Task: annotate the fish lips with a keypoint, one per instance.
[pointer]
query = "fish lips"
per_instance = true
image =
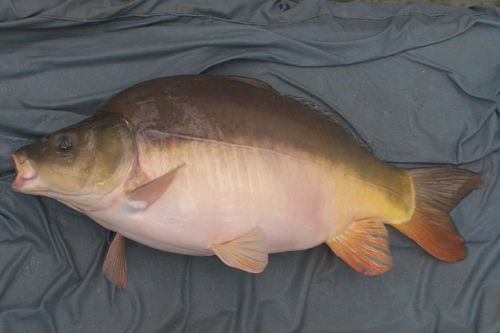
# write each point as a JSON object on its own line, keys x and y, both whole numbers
{"x": 25, "y": 174}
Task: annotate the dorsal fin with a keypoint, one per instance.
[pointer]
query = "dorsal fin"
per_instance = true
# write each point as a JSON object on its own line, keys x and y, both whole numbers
{"x": 332, "y": 116}
{"x": 251, "y": 81}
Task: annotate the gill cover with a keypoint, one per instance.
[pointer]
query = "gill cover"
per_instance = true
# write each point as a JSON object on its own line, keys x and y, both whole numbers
{"x": 94, "y": 156}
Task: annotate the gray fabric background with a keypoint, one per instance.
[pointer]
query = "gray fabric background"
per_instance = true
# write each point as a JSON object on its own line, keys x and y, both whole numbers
{"x": 419, "y": 83}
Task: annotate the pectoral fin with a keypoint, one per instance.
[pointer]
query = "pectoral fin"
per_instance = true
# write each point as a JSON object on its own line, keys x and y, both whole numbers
{"x": 145, "y": 195}
{"x": 248, "y": 253}
{"x": 115, "y": 264}
{"x": 363, "y": 245}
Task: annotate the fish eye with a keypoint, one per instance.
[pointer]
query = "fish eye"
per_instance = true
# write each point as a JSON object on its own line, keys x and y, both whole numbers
{"x": 65, "y": 142}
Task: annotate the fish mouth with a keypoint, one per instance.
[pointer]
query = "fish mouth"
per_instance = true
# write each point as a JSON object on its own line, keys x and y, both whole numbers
{"x": 25, "y": 174}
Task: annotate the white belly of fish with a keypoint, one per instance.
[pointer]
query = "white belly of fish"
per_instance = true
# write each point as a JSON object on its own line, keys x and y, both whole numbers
{"x": 215, "y": 200}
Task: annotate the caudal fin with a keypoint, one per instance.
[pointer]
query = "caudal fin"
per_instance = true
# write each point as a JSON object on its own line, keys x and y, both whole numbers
{"x": 437, "y": 191}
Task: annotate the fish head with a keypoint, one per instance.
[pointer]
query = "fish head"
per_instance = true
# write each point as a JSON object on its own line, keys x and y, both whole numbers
{"x": 91, "y": 158}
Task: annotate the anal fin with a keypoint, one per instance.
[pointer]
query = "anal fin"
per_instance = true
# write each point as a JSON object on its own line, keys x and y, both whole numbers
{"x": 248, "y": 252}
{"x": 364, "y": 247}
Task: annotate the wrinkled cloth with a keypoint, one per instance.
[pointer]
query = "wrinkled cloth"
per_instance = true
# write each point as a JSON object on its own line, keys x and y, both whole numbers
{"x": 419, "y": 83}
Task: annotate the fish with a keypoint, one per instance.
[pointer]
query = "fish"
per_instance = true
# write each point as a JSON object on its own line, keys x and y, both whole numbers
{"x": 225, "y": 165}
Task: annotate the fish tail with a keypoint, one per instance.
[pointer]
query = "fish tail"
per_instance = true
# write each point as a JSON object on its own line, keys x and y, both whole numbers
{"x": 437, "y": 191}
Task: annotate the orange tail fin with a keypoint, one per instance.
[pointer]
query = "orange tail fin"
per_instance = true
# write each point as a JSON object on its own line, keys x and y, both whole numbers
{"x": 437, "y": 191}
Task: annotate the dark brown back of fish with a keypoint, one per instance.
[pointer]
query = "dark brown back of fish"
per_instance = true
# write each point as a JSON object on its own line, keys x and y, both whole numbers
{"x": 232, "y": 111}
